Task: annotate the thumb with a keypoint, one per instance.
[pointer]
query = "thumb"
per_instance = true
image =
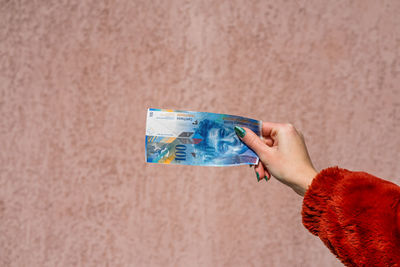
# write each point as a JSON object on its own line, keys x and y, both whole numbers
{"x": 252, "y": 141}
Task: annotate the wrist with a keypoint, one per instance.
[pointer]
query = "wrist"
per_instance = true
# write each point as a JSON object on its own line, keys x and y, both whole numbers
{"x": 305, "y": 181}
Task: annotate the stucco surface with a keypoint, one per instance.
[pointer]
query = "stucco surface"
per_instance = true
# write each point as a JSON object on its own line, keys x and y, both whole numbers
{"x": 76, "y": 78}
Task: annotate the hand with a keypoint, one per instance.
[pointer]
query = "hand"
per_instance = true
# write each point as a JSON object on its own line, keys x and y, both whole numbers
{"x": 283, "y": 153}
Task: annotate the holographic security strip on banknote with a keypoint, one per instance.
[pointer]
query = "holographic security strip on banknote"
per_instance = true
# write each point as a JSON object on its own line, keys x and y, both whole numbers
{"x": 197, "y": 138}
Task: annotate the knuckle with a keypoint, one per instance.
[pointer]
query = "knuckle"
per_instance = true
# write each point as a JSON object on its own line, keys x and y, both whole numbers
{"x": 289, "y": 127}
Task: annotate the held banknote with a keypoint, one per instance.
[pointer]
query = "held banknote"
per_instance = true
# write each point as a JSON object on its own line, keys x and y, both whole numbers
{"x": 197, "y": 138}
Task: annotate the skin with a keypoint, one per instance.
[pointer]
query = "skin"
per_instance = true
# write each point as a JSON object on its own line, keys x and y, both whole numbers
{"x": 283, "y": 154}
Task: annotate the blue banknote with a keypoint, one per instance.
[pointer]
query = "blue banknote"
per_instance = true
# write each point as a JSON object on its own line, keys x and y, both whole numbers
{"x": 197, "y": 138}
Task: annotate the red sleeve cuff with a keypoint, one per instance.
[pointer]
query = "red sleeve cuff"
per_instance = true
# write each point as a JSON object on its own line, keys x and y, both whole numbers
{"x": 317, "y": 197}
{"x": 355, "y": 214}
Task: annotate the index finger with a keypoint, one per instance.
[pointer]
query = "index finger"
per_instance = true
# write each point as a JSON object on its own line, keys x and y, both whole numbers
{"x": 267, "y": 127}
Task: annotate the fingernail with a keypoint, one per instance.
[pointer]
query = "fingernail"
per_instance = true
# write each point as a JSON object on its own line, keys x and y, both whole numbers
{"x": 266, "y": 178}
{"x": 240, "y": 131}
{"x": 258, "y": 177}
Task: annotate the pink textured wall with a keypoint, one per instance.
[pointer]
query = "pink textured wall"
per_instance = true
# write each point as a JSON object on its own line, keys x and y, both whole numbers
{"x": 76, "y": 78}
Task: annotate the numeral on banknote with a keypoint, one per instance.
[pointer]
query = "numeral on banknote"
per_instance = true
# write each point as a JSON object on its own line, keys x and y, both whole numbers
{"x": 180, "y": 152}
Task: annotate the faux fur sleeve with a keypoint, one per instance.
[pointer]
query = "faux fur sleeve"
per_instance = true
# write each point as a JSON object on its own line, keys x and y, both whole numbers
{"x": 356, "y": 215}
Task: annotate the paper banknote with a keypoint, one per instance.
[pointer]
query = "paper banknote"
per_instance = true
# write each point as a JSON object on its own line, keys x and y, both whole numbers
{"x": 197, "y": 138}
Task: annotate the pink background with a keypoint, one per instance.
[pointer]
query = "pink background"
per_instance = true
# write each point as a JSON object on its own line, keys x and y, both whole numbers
{"x": 76, "y": 78}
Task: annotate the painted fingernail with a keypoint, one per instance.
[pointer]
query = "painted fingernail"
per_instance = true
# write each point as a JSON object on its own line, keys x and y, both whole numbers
{"x": 258, "y": 177}
{"x": 266, "y": 178}
{"x": 240, "y": 131}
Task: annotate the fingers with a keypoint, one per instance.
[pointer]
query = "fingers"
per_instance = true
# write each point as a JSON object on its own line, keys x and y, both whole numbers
{"x": 268, "y": 127}
{"x": 259, "y": 169}
{"x": 253, "y": 142}
{"x": 260, "y": 146}
{"x": 262, "y": 172}
{"x": 268, "y": 141}
{"x": 267, "y": 174}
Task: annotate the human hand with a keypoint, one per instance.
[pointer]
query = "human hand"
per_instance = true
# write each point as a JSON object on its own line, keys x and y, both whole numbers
{"x": 283, "y": 153}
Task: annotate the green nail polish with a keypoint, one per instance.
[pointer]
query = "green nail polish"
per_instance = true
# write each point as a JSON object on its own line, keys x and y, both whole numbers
{"x": 258, "y": 177}
{"x": 266, "y": 178}
{"x": 240, "y": 131}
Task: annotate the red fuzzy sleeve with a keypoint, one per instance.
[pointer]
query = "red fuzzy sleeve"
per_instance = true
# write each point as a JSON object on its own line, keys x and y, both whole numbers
{"x": 356, "y": 215}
